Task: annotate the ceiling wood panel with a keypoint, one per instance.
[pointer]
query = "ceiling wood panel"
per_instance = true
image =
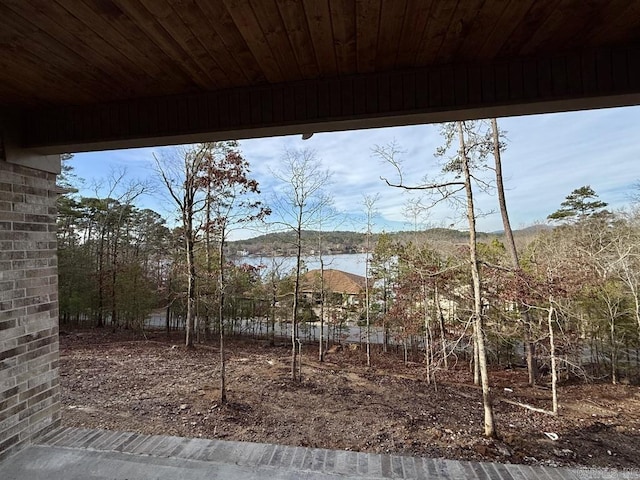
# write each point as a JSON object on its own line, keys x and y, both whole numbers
{"x": 295, "y": 23}
{"x": 621, "y": 25}
{"x": 26, "y": 81}
{"x": 415, "y": 21}
{"x": 503, "y": 26}
{"x": 88, "y": 47}
{"x": 528, "y": 26}
{"x": 319, "y": 23}
{"x": 249, "y": 28}
{"x": 564, "y": 22}
{"x": 343, "y": 16}
{"x": 464, "y": 17}
{"x": 219, "y": 19}
{"x": 440, "y": 19}
{"x": 105, "y": 41}
{"x": 392, "y": 16}
{"x": 110, "y": 23}
{"x": 268, "y": 16}
{"x": 187, "y": 43}
{"x": 33, "y": 49}
{"x": 367, "y": 28}
{"x": 159, "y": 34}
{"x": 75, "y": 52}
{"x": 213, "y": 51}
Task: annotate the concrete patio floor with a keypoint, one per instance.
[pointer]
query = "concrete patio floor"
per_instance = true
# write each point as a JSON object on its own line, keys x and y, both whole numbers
{"x": 72, "y": 453}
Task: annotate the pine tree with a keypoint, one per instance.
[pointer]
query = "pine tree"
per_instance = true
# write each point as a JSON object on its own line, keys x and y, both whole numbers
{"x": 580, "y": 204}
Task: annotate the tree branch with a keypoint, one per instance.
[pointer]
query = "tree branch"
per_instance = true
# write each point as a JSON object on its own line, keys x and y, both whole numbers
{"x": 431, "y": 186}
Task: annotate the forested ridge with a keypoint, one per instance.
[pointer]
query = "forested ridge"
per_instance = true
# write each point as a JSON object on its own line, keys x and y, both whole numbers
{"x": 345, "y": 242}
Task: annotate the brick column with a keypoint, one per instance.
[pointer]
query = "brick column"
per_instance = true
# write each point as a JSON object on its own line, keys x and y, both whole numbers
{"x": 29, "y": 384}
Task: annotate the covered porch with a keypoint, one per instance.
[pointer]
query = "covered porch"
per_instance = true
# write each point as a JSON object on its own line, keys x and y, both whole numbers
{"x": 81, "y": 76}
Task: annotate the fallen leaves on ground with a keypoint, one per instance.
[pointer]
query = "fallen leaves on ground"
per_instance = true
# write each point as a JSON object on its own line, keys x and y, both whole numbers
{"x": 157, "y": 386}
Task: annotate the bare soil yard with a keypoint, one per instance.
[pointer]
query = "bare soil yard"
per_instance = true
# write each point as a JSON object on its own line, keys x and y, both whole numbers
{"x": 157, "y": 386}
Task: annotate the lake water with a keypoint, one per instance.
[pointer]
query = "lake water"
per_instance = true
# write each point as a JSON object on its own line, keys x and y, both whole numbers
{"x": 351, "y": 263}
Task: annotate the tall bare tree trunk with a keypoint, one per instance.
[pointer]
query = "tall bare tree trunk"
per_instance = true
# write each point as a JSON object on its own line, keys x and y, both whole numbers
{"x": 114, "y": 279}
{"x": 274, "y": 301}
{"x": 367, "y": 300}
{"x": 614, "y": 351}
{"x": 385, "y": 326}
{"x": 443, "y": 346}
{"x": 552, "y": 351}
{"x": 530, "y": 351}
{"x": 167, "y": 317}
{"x": 475, "y": 364}
{"x": 191, "y": 298}
{"x": 100, "y": 317}
{"x": 320, "y": 343}
{"x": 209, "y": 263}
{"x": 427, "y": 335}
{"x": 296, "y": 294}
{"x": 223, "y": 364}
{"x": 489, "y": 424}
{"x": 187, "y": 222}
{"x": 530, "y": 347}
{"x": 508, "y": 232}
{"x": 369, "y": 202}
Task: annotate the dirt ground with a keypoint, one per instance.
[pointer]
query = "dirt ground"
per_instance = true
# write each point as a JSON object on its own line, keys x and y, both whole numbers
{"x": 157, "y": 386}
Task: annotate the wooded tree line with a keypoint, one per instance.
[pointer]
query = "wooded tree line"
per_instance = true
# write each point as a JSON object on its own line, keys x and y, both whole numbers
{"x": 566, "y": 303}
{"x": 112, "y": 261}
{"x": 586, "y": 271}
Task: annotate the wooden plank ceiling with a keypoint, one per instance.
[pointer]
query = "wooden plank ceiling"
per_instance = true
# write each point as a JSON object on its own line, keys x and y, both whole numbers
{"x": 78, "y": 52}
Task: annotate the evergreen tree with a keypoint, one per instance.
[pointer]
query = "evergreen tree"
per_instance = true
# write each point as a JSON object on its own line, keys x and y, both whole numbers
{"x": 580, "y": 204}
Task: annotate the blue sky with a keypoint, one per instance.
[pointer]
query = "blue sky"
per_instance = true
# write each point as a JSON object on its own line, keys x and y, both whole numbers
{"x": 547, "y": 156}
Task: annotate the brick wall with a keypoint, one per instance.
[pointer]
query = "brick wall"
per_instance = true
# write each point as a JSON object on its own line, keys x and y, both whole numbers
{"x": 29, "y": 386}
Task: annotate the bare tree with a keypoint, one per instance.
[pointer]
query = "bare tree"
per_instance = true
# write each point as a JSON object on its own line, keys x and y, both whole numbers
{"x": 231, "y": 202}
{"x": 326, "y": 214}
{"x": 299, "y": 205}
{"x": 497, "y": 147}
{"x": 116, "y": 196}
{"x": 180, "y": 172}
{"x": 489, "y": 424}
{"x": 460, "y": 166}
{"x": 369, "y": 202}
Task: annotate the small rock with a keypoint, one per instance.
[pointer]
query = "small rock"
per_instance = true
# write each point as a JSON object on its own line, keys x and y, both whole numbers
{"x": 184, "y": 406}
{"x": 482, "y": 450}
{"x": 503, "y": 450}
{"x": 564, "y": 453}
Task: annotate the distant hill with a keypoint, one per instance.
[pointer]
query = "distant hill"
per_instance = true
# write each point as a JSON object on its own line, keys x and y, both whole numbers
{"x": 342, "y": 242}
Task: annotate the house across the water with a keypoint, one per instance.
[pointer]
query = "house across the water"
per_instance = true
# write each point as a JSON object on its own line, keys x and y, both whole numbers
{"x": 334, "y": 282}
